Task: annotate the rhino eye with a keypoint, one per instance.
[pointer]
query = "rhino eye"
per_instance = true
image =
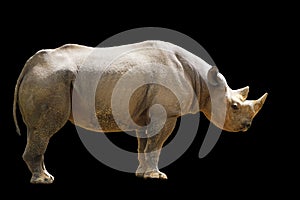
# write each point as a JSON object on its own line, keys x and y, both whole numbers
{"x": 234, "y": 106}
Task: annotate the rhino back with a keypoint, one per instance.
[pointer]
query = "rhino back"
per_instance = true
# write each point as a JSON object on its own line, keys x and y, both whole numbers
{"x": 132, "y": 78}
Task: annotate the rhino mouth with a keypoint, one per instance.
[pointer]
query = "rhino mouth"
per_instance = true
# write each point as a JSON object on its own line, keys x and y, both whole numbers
{"x": 238, "y": 129}
{"x": 244, "y": 128}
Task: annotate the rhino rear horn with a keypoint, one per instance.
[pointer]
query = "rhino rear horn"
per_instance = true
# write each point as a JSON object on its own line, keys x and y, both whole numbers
{"x": 243, "y": 92}
{"x": 260, "y": 102}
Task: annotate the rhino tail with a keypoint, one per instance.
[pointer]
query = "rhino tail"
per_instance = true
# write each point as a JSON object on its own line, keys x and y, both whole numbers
{"x": 26, "y": 67}
{"x": 16, "y": 100}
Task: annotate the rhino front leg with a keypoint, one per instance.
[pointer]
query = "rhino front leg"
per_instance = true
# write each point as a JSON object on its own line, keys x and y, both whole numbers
{"x": 142, "y": 141}
{"x": 153, "y": 149}
{"x": 34, "y": 157}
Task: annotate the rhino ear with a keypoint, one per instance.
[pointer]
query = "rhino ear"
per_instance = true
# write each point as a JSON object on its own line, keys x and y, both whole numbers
{"x": 212, "y": 76}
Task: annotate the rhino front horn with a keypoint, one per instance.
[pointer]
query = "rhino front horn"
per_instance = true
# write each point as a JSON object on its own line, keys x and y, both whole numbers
{"x": 260, "y": 102}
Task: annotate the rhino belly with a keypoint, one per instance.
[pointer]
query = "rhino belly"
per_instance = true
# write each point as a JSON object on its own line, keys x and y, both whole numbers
{"x": 101, "y": 118}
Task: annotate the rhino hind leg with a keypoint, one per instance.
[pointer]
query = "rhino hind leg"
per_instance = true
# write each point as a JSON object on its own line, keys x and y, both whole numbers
{"x": 44, "y": 112}
{"x": 38, "y": 136}
{"x": 39, "y": 132}
{"x": 34, "y": 157}
{"x": 153, "y": 149}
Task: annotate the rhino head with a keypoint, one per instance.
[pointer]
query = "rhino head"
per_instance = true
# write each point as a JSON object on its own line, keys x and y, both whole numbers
{"x": 228, "y": 109}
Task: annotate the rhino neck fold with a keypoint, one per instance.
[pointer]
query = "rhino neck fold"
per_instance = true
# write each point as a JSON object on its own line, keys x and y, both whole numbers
{"x": 196, "y": 70}
{"x": 204, "y": 98}
{"x": 201, "y": 92}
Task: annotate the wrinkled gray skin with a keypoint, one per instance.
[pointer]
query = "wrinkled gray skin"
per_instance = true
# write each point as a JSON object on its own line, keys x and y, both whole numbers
{"x": 45, "y": 92}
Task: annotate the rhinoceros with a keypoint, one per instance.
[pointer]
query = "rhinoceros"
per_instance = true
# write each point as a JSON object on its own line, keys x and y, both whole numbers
{"x": 47, "y": 91}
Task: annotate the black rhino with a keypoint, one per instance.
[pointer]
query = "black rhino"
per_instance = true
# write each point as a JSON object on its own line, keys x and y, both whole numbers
{"x": 45, "y": 93}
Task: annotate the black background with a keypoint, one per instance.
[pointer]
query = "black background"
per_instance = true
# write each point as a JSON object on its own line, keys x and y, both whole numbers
{"x": 247, "y": 44}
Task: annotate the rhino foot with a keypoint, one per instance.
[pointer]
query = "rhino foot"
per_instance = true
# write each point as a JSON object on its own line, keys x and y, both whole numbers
{"x": 42, "y": 178}
{"x": 156, "y": 174}
{"x": 140, "y": 171}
